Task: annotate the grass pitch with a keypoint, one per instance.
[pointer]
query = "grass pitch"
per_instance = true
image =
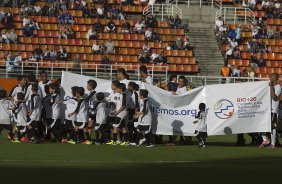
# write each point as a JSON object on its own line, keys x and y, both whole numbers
{"x": 220, "y": 162}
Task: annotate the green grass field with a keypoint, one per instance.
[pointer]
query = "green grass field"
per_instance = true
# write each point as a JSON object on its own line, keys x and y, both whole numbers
{"x": 220, "y": 162}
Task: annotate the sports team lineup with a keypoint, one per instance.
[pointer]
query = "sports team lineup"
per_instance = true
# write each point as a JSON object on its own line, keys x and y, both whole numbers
{"x": 35, "y": 111}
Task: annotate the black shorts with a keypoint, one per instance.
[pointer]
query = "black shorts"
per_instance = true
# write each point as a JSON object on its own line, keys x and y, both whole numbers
{"x": 79, "y": 124}
{"x": 142, "y": 128}
{"x": 7, "y": 127}
{"x": 203, "y": 134}
{"x": 34, "y": 124}
{"x": 92, "y": 117}
{"x": 69, "y": 124}
{"x": 20, "y": 128}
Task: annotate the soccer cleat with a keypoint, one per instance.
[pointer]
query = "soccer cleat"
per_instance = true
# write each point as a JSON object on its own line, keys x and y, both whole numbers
{"x": 16, "y": 141}
{"x": 111, "y": 143}
{"x": 132, "y": 144}
{"x": 87, "y": 142}
{"x": 24, "y": 139}
{"x": 271, "y": 146}
{"x": 97, "y": 143}
{"x": 64, "y": 141}
{"x": 141, "y": 141}
{"x": 150, "y": 145}
{"x": 124, "y": 143}
{"x": 71, "y": 142}
{"x": 118, "y": 142}
{"x": 264, "y": 144}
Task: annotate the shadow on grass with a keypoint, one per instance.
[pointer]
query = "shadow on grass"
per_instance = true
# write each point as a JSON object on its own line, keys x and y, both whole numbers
{"x": 247, "y": 170}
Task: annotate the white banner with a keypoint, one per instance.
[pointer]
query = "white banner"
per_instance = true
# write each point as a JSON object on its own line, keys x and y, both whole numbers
{"x": 232, "y": 108}
{"x": 238, "y": 108}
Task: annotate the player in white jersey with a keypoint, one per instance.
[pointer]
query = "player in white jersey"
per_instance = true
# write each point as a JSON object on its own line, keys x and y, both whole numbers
{"x": 20, "y": 113}
{"x": 81, "y": 117}
{"x": 5, "y": 113}
{"x": 71, "y": 104}
{"x": 275, "y": 91}
{"x": 201, "y": 129}
{"x": 53, "y": 122}
{"x": 43, "y": 81}
{"x": 119, "y": 115}
{"x": 144, "y": 120}
{"x": 34, "y": 110}
{"x": 21, "y": 87}
{"x": 32, "y": 80}
{"x": 91, "y": 101}
{"x": 144, "y": 74}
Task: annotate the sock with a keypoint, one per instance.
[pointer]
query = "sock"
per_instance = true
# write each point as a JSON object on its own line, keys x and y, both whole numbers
{"x": 88, "y": 136}
{"x": 11, "y": 135}
{"x": 75, "y": 138}
{"x": 273, "y": 137}
{"x": 97, "y": 135}
{"x": 264, "y": 138}
{"x": 125, "y": 137}
{"x": 114, "y": 137}
{"x": 19, "y": 135}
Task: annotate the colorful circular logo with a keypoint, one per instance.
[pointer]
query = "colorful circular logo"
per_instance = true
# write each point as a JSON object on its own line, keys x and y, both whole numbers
{"x": 224, "y": 109}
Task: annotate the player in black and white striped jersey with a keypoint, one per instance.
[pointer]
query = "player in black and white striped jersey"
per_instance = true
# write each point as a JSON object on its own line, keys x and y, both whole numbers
{"x": 20, "y": 87}
{"x": 91, "y": 101}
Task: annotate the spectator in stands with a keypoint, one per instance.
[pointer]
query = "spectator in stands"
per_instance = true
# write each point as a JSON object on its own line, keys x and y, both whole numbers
{"x": 139, "y": 27}
{"x": 46, "y": 53}
{"x": 251, "y": 4}
{"x": 121, "y": 14}
{"x": 63, "y": 33}
{"x": 8, "y": 19}
{"x": 255, "y": 32}
{"x": 5, "y": 38}
{"x": 32, "y": 60}
{"x": 251, "y": 72}
{"x": 236, "y": 71}
{"x": 262, "y": 47}
{"x": 102, "y": 49}
{"x": 10, "y": 66}
{"x": 100, "y": 12}
{"x": 226, "y": 71}
{"x": 187, "y": 45}
{"x": 151, "y": 22}
{"x": 92, "y": 34}
{"x": 62, "y": 54}
{"x": 93, "y": 11}
{"x": 45, "y": 10}
{"x": 268, "y": 49}
{"x": 38, "y": 53}
{"x": 98, "y": 27}
{"x": 37, "y": 9}
{"x": 111, "y": 27}
{"x": 70, "y": 32}
{"x": 236, "y": 53}
{"x": 175, "y": 22}
{"x": 254, "y": 46}
{"x": 277, "y": 34}
{"x": 34, "y": 24}
{"x": 76, "y": 61}
{"x": 163, "y": 58}
{"x": 144, "y": 58}
{"x": 2, "y": 15}
{"x": 155, "y": 37}
{"x": 143, "y": 2}
{"x": 270, "y": 32}
{"x": 68, "y": 18}
{"x": 172, "y": 83}
{"x": 155, "y": 57}
{"x": 96, "y": 48}
{"x": 53, "y": 53}
{"x": 265, "y": 4}
{"x": 171, "y": 45}
{"x": 125, "y": 28}
{"x": 18, "y": 60}
{"x": 233, "y": 43}
{"x": 146, "y": 48}
{"x": 219, "y": 23}
{"x": 27, "y": 30}
{"x": 238, "y": 33}
{"x": 260, "y": 23}
{"x": 60, "y": 18}
{"x": 253, "y": 61}
{"x": 229, "y": 53}
{"x": 148, "y": 34}
{"x": 261, "y": 61}
{"x": 105, "y": 60}
{"x": 25, "y": 20}
{"x": 179, "y": 43}
{"x": 110, "y": 47}
{"x": 114, "y": 12}
{"x": 12, "y": 36}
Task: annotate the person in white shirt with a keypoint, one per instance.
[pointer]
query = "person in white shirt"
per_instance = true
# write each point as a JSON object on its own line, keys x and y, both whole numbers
{"x": 275, "y": 91}
{"x": 25, "y": 21}
{"x": 182, "y": 85}
{"x": 219, "y": 23}
{"x": 139, "y": 26}
{"x": 146, "y": 48}
{"x": 20, "y": 87}
{"x": 144, "y": 74}
{"x": 96, "y": 48}
{"x": 91, "y": 102}
{"x": 32, "y": 80}
{"x": 5, "y": 121}
{"x": 233, "y": 43}
{"x": 148, "y": 34}
{"x": 81, "y": 118}
{"x": 43, "y": 81}
{"x": 201, "y": 129}
{"x": 144, "y": 120}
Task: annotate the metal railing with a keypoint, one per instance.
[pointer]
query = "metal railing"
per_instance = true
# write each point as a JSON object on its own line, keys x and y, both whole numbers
{"x": 162, "y": 10}
{"x": 97, "y": 70}
{"x": 212, "y": 3}
{"x": 235, "y": 15}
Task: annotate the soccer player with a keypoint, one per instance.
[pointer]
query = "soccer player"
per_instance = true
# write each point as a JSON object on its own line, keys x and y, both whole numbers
{"x": 5, "y": 122}
{"x": 275, "y": 91}
{"x": 144, "y": 120}
{"x": 201, "y": 129}
{"x": 91, "y": 101}
{"x": 133, "y": 106}
{"x": 20, "y": 116}
{"x": 21, "y": 87}
{"x": 43, "y": 81}
{"x": 53, "y": 123}
{"x": 34, "y": 110}
{"x": 32, "y": 80}
{"x": 81, "y": 117}
{"x": 71, "y": 105}
{"x": 119, "y": 116}
{"x": 101, "y": 113}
